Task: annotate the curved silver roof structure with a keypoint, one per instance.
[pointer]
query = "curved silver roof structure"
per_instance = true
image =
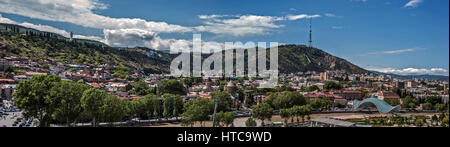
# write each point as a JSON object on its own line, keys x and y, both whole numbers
{"x": 380, "y": 105}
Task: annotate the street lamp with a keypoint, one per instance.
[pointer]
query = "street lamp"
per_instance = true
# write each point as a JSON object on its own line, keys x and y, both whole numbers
{"x": 216, "y": 101}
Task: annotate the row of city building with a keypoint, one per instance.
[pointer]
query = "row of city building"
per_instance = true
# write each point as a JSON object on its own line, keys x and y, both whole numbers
{"x": 355, "y": 87}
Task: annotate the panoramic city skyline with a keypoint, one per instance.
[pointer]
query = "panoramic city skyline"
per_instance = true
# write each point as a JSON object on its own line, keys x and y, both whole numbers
{"x": 239, "y": 66}
{"x": 408, "y": 37}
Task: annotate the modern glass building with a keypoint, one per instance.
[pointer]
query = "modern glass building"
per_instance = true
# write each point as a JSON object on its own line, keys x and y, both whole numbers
{"x": 372, "y": 103}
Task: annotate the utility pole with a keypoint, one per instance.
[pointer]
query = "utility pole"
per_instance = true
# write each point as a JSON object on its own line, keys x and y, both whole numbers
{"x": 216, "y": 101}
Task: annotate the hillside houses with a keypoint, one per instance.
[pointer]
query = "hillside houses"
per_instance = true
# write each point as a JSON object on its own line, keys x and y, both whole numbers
{"x": 354, "y": 86}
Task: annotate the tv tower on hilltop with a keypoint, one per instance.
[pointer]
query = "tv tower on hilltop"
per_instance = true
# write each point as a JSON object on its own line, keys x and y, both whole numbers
{"x": 71, "y": 36}
{"x": 310, "y": 33}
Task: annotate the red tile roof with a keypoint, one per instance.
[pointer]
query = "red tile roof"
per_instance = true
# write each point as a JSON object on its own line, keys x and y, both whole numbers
{"x": 351, "y": 91}
{"x": 7, "y": 80}
{"x": 95, "y": 85}
{"x": 388, "y": 94}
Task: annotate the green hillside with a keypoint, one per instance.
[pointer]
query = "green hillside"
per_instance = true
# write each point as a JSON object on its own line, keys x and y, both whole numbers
{"x": 18, "y": 41}
{"x": 295, "y": 58}
{"x": 25, "y": 42}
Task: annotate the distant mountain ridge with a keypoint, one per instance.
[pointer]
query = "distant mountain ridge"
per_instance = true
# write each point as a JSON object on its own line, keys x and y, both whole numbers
{"x": 410, "y": 77}
{"x": 25, "y": 42}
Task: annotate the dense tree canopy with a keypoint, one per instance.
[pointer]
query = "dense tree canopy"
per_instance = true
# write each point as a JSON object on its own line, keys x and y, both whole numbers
{"x": 225, "y": 101}
{"x": 312, "y": 88}
{"x": 225, "y": 118}
{"x": 171, "y": 87}
{"x": 433, "y": 100}
{"x": 410, "y": 102}
{"x": 301, "y": 111}
{"x": 49, "y": 99}
{"x": 197, "y": 110}
{"x": 34, "y": 97}
{"x": 319, "y": 103}
{"x": 427, "y": 106}
{"x": 285, "y": 114}
{"x": 250, "y": 122}
{"x": 440, "y": 107}
{"x": 189, "y": 81}
{"x": 289, "y": 99}
{"x": 392, "y": 102}
{"x": 262, "y": 112}
{"x": 92, "y": 102}
{"x": 67, "y": 97}
{"x": 332, "y": 86}
{"x": 173, "y": 105}
{"x": 140, "y": 87}
{"x": 113, "y": 109}
{"x": 271, "y": 98}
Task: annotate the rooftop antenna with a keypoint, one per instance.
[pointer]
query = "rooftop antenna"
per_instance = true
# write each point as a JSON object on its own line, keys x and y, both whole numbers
{"x": 310, "y": 33}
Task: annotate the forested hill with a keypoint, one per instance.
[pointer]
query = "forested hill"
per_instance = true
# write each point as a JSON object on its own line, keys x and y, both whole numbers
{"x": 24, "y": 42}
{"x": 300, "y": 58}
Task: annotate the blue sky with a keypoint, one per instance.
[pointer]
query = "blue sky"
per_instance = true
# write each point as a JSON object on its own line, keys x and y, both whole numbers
{"x": 396, "y": 36}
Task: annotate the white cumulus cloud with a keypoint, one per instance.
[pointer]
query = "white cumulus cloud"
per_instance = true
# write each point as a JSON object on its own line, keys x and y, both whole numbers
{"x": 80, "y": 12}
{"x": 141, "y": 38}
{"x": 239, "y": 25}
{"x": 121, "y": 31}
{"x": 47, "y": 28}
{"x": 393, "y": 52}
{"x": 413, "y": 3}
{"x": 301, "y": 16}
{"x": 413, "y": 71}
{"x": 359, "y": 1}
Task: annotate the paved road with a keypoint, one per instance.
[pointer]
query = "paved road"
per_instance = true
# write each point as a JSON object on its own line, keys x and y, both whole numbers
{"x": 7, "y": 120}
{"x": 136, "y": 122}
